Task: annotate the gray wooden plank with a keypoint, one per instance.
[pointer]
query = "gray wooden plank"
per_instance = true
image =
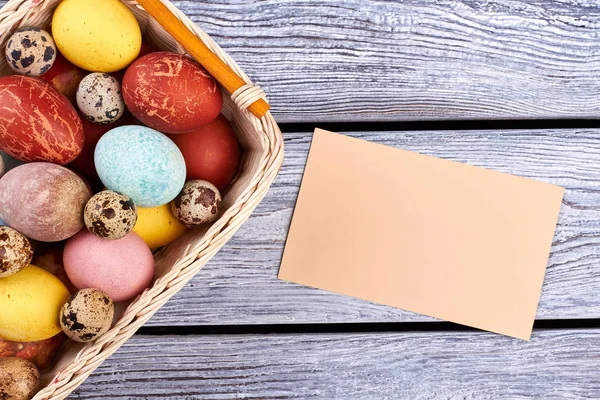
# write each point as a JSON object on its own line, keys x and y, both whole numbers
{"x": 420, "y": 365}
{"x": 239, "y": 285}
{"x": 408, "y": 60}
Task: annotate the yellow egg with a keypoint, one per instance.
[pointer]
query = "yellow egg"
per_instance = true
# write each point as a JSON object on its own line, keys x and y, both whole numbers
{"x": 158, "y": 226}
{"x": 96, "y": 35}
{"x": 30, "y": 303}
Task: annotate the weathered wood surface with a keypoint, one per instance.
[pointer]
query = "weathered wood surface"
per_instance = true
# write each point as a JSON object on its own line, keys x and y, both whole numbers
{"x": 240, "y": 286}
{"x": 420, "y": 365}
{"x": 393, "y": 60}
{"x": 404, "y": 60}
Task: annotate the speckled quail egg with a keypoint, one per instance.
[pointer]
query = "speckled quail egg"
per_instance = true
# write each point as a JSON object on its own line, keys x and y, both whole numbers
{"x": 15, "y": 251}
{"x": 110, "y": 215}
{"x": 198, "y": 203}
{"x": 99, "y": 98}
{"x": 19, "y": 379}
{"x": 87, "y": 315}
{"x": 30, "y": 51}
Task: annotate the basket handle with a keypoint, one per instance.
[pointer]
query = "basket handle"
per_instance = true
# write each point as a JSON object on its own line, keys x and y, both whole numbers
{"x": 201, "y": 53}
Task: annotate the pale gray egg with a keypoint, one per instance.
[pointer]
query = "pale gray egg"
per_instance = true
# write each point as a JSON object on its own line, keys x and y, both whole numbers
{"x": 30, "y": 51}
{"x": 99, "y": 98}
{"x": 198, "y": 203}
{"x": 87, "y": 315}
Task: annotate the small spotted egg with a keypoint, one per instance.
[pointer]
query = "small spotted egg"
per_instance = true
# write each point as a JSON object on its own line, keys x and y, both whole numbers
{"x": 99, "y": 98}
{"x": 30, "y": 51}
{"x": 19, "y": 378}
{"x": 198, "y": 203}
{"x": 110, "y": 215}
{"x": 87, "y": 315}
{"x": 15, "y": 251}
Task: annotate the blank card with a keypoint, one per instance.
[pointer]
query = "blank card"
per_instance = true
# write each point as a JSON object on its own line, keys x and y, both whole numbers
{"x": 437, "y": 237}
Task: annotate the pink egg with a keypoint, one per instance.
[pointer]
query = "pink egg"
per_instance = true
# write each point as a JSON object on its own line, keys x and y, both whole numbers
{"x": 122, "y": 268}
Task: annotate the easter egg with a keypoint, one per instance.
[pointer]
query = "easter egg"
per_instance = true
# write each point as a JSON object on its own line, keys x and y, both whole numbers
{"x": 171, "y": 92}
{"x": 43, "y": 201}
{"x": 141, "y": 163}
{"x": 30, "y": 302}
{"x": 211, "y": 152}
{"x": 121, "y": 268}
{"x": 99, "y": 98}
{"x": 87, "y": 315}
{"x": 38, "y": 123}
{"x": 64, "y": 77}
{"x": 84, "y": 162}
{"x": 96, "y": 35}
{"x": 198, "y": 203}
{"x": 110, "y": 215}
{"x": 157, "y": 226}
{"x": 30, "y": 51}
{"x": 40, "y": 353}
{"x": 19, "y": 379}
{"x": 15, "y": 251}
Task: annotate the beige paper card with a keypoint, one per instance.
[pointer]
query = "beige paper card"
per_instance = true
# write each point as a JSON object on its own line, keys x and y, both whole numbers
{"x": 437, "y": 237}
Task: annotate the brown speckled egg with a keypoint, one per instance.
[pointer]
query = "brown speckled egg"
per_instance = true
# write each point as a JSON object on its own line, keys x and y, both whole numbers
{"x": 30, "y": 51}
{"x": 99, "y": 98}
{"x": 198, "y": 203}
{"x": 19, "y": 379}
{"x": 15, "y": 251}
{"x": 87, "y": 315}
{"x": 110, "y": 215}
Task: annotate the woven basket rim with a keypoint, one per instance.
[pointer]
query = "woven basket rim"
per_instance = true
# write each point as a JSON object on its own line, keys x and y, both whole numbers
{"x": 17, "y": 13}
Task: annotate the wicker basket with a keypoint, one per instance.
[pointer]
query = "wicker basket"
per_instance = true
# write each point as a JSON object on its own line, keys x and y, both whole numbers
{"x": 177, "y": 263}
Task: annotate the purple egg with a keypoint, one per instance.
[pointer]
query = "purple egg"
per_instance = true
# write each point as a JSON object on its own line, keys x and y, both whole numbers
{"x": 43, "y": 201}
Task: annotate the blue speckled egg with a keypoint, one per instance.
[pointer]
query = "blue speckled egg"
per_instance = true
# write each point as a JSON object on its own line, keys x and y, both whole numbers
{"x": 141, "y": 163}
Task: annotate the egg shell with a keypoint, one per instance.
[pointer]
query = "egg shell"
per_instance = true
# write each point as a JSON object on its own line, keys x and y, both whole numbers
{"x": 43, "y": 201}
{"x": 19, "y": 379}
{"x": 87, "y": 315}
{"x": 96, "y": 35}
{"x": 40, "y": 353}
{"x": 99, "y": 98}
{"x": 30, "y": 51}
{"x": 110, "y": 215}
{"x": 171, "y": 92}
{"x": 198, "y": 203}
{"x": 122, "y": 268}
{"x": 211, "y": 152}
{"x": 157, "y": 226}
{"x": 141, "y": 163}
{"x": 39, "y": 123}
{"x": 64, "y": 77}
{"x": 30, "y": 303}
{"x": 84, "y": 162}
{"x": 15, "y": 251}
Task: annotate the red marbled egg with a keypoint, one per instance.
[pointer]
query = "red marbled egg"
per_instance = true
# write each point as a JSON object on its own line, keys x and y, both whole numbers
{"x": 171, "y": 93}
{"x": 37, "y": 123}
{"x": 43, "y": 201}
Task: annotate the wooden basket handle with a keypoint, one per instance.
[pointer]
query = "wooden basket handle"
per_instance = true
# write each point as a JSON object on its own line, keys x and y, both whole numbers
{"x": 201, "y": 53}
